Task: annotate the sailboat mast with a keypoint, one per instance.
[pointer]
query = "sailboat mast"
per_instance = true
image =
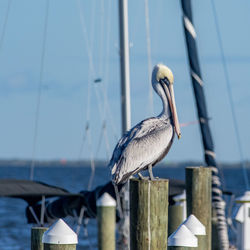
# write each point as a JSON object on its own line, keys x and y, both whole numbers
{"x": 123, "y": 242}
{"x": 209, "y": 155}
{"x": 124, "y": 64}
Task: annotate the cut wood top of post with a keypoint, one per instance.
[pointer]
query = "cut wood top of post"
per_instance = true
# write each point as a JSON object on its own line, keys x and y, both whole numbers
{"x": 106, "y": 200}
{"x": 243, "y": 199}
{"x": 60, "y": 233}
{"x": 182, "y": 237}
{"x": 157, "y": 179}
{"x": 39, "y": 228}
{"x": 197, "y": 167}
{"x": 194, "y": 225}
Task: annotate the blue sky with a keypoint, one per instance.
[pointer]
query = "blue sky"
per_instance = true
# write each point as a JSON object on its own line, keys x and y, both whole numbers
{"x": 85, "y": 34}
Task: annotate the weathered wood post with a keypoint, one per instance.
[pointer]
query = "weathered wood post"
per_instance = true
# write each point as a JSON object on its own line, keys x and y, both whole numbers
{"x": 36, "y": 237}
{"x": 182, "y": 239}
{"x": 59, "y": 237}
{"x": 198, "y": 190}
{"x": 175, "y": 218}
{"x": 106, "y": 217}
{"x": 176, "y": 212}
{"x": 148, "y": 214}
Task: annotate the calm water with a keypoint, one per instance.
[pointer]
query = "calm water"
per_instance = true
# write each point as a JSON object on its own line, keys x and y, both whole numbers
{"x": 15, "y": 232}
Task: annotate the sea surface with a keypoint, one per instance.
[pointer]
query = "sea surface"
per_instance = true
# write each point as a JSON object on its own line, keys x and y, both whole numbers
{"x": 14, "y": 230}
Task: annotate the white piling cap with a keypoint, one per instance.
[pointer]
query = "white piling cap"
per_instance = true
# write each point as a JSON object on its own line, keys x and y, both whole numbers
{"x": 194, "y": 225}
{"x": 60, "y": 233}
{"x": 244, "y": 199}
{"x": 180, "y": 197}
{"x": 106, "y": 200}
{"x": 182, "y": 237}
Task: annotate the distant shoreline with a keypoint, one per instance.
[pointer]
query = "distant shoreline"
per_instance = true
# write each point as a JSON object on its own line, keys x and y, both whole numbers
{"x": 103, "y": 164}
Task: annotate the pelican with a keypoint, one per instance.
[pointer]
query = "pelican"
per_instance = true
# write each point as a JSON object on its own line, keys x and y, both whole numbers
{"x": 150, "y": 140}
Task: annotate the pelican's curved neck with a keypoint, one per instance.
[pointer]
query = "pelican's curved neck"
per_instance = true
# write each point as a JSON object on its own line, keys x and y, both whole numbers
{"x": 166, "y": 113}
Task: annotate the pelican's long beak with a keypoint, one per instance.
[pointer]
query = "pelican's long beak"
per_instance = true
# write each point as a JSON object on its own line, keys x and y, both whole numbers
{"x": 174, "y": 112}
{"x": 170, "y": 95}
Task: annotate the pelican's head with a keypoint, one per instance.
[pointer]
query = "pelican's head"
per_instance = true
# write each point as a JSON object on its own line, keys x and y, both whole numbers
{"x": 162, "y": 81}
{"x": 164, "y": 72}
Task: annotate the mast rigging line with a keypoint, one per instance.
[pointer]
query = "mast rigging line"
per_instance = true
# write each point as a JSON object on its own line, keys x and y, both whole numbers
{"x": 106, "y": 75}
{"x": 90, "y": 76}
{"x": 41, "y": 74}
{"x": 197, "y": 82}
{"x": 230, "y": 95}
{"x": 5, "y": 24}
{"x": 100, "y": 90}
{"x": 101, "y": 100}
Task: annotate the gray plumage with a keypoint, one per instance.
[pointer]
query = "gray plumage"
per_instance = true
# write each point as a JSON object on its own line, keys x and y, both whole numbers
{"x": 147, "y": 142}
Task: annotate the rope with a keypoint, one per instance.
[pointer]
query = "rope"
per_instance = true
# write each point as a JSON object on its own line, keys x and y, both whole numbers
{"x": 100, "y": 92}
{"x": 101, "y": 40}
{"x": 80, "y": 219}
{"x": 34, "y": 215}
{"x": 107, "y": 111}
{"x": 5, "y": 24}
{"x": 87, "y": 136}
{"x": 42, "y": 211}
{"x": 151, "y": 103}
{"x": 37, "y": 114}
{"x": 92, "y": 162}
{"x": 105, "y": 135}
{"x": 107, "y": 143}
{"x": 91, "y": 74}
{"x": 91, "y": 65}
{"x": 89, "y": 59}
{"x": 230, "y": 97}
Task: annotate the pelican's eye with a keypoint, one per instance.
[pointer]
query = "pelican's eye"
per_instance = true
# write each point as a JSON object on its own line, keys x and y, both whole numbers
{"x": 165, "y": 81}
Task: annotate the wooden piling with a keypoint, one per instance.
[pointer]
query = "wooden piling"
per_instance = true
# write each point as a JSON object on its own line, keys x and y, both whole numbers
{"x": 59, "y": 247}
{"x": 106, "y": 217}
{"x": 175, "y": 217}
{"x": 198, "y": 190}
{"x": 36, "y": 237}
{"x": 148, "y": 214}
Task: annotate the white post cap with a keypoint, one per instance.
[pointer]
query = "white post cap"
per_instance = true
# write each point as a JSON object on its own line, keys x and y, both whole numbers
{"x": 60, "y": 233}
{"x": 239, "y": 214}
{"x": 180, "y": 197}
{"x": 182, "y": 237}
{"x": 244, "y": 199}
{"x": 194, "y": 225}
{"x": 106, "y": 200}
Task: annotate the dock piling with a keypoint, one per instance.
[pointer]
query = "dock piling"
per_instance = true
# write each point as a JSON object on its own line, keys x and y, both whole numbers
{"x": 106, "y": 217}
{"x": 36, "y": 237}
{"x": 177, "y": 213}
{"x": 175, "y": 218}
{"x": 148, "y": 214}
{"x": 198, "y": 191}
